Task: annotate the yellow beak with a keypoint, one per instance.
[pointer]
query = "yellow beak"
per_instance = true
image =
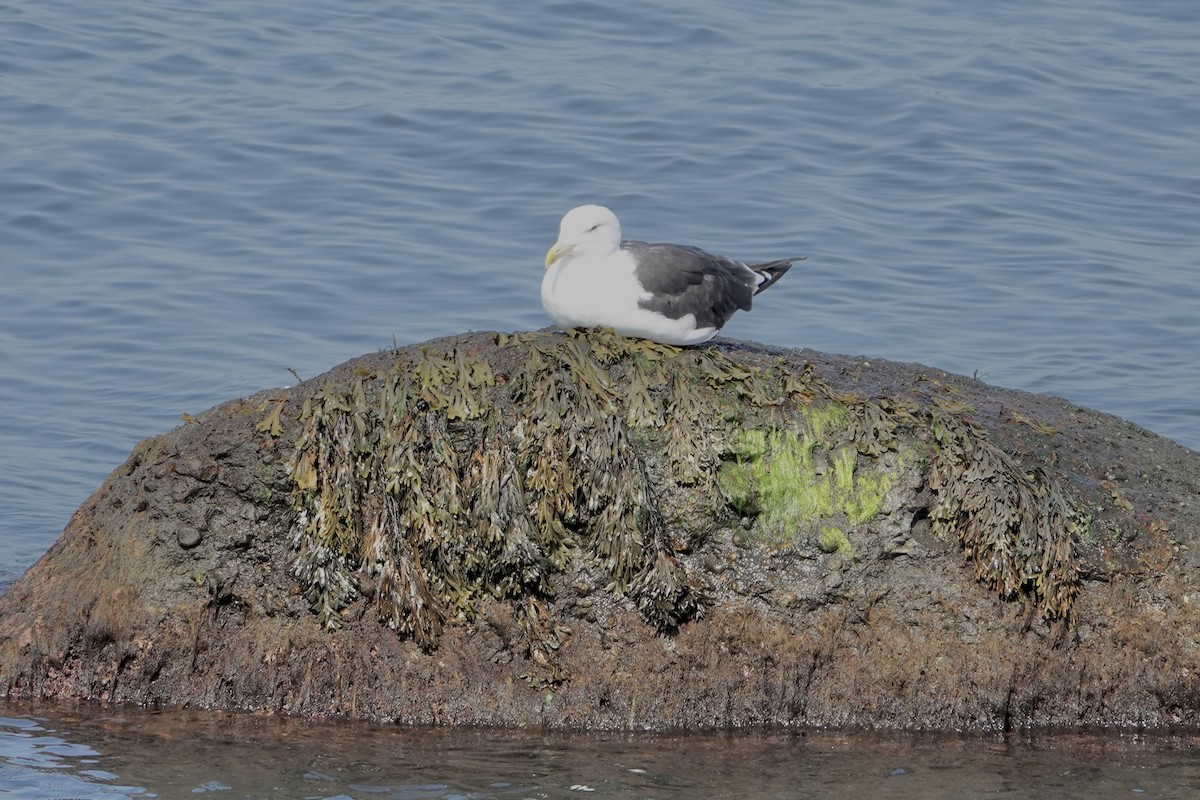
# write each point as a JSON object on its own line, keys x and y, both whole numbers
{"x": 557, "y": 252}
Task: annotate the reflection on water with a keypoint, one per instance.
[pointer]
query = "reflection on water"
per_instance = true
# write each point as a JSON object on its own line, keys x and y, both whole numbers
{"x": 35, "y": 762}
{"x": 97, "y": 754}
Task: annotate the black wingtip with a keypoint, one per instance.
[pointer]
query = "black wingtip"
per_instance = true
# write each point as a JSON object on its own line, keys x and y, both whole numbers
{"x": 773, "y": 271}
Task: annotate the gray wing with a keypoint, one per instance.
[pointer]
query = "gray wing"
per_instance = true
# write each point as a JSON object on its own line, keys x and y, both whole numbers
{"x": 686, "y": 280}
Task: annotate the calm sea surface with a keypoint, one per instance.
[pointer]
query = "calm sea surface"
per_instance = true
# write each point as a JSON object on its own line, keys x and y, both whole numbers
{"x": 196, "y": 198}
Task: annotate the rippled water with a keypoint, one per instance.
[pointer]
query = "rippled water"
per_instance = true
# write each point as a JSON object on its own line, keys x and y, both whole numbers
{"x": 141, "y": 755}
{"x": 197, "y": 197}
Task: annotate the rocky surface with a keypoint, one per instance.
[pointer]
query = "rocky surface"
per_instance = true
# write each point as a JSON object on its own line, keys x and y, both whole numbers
{"x": 587, "y": 531}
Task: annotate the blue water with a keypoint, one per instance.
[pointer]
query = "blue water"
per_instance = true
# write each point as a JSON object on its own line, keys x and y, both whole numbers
{"x": 196, "y": 198}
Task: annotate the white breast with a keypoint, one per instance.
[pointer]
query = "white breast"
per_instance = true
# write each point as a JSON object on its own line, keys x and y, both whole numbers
{"x": 591, "y": 293}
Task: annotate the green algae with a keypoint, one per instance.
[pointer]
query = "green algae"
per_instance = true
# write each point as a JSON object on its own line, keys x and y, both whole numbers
{"x": 835, "y": 540}
{"x": 791, "y": 478}
{"x": 789, "y": 488}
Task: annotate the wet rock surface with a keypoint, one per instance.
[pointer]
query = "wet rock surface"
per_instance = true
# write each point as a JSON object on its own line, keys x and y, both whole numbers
{"x": 589, "y": 531}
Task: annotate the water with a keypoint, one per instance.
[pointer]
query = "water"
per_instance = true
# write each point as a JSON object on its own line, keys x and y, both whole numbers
{"x": 197, "y": 198}
{"x": 142, "y": 755}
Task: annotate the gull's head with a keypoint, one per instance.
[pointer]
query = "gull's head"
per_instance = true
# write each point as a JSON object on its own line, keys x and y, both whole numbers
{"x": 586, "y": 231}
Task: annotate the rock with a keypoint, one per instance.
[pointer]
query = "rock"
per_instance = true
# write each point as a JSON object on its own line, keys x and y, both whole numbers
{"x": 188, "y": 538}
{"x": 590, "y": 531}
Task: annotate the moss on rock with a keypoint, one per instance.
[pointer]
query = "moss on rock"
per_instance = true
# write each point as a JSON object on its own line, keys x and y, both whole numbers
{"x": 792, "y": 479}
{"x": 835, "y": 540}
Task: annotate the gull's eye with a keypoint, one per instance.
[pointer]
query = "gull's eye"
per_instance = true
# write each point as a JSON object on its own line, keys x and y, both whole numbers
{"x": 595, "y": 227}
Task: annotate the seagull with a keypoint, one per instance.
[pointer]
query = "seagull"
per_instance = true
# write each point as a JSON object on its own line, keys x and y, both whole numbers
{"x": 669, "y": 293}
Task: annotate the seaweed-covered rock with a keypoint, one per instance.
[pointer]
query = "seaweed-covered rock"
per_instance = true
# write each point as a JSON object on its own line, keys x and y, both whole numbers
{"x": 586, "y": 530}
